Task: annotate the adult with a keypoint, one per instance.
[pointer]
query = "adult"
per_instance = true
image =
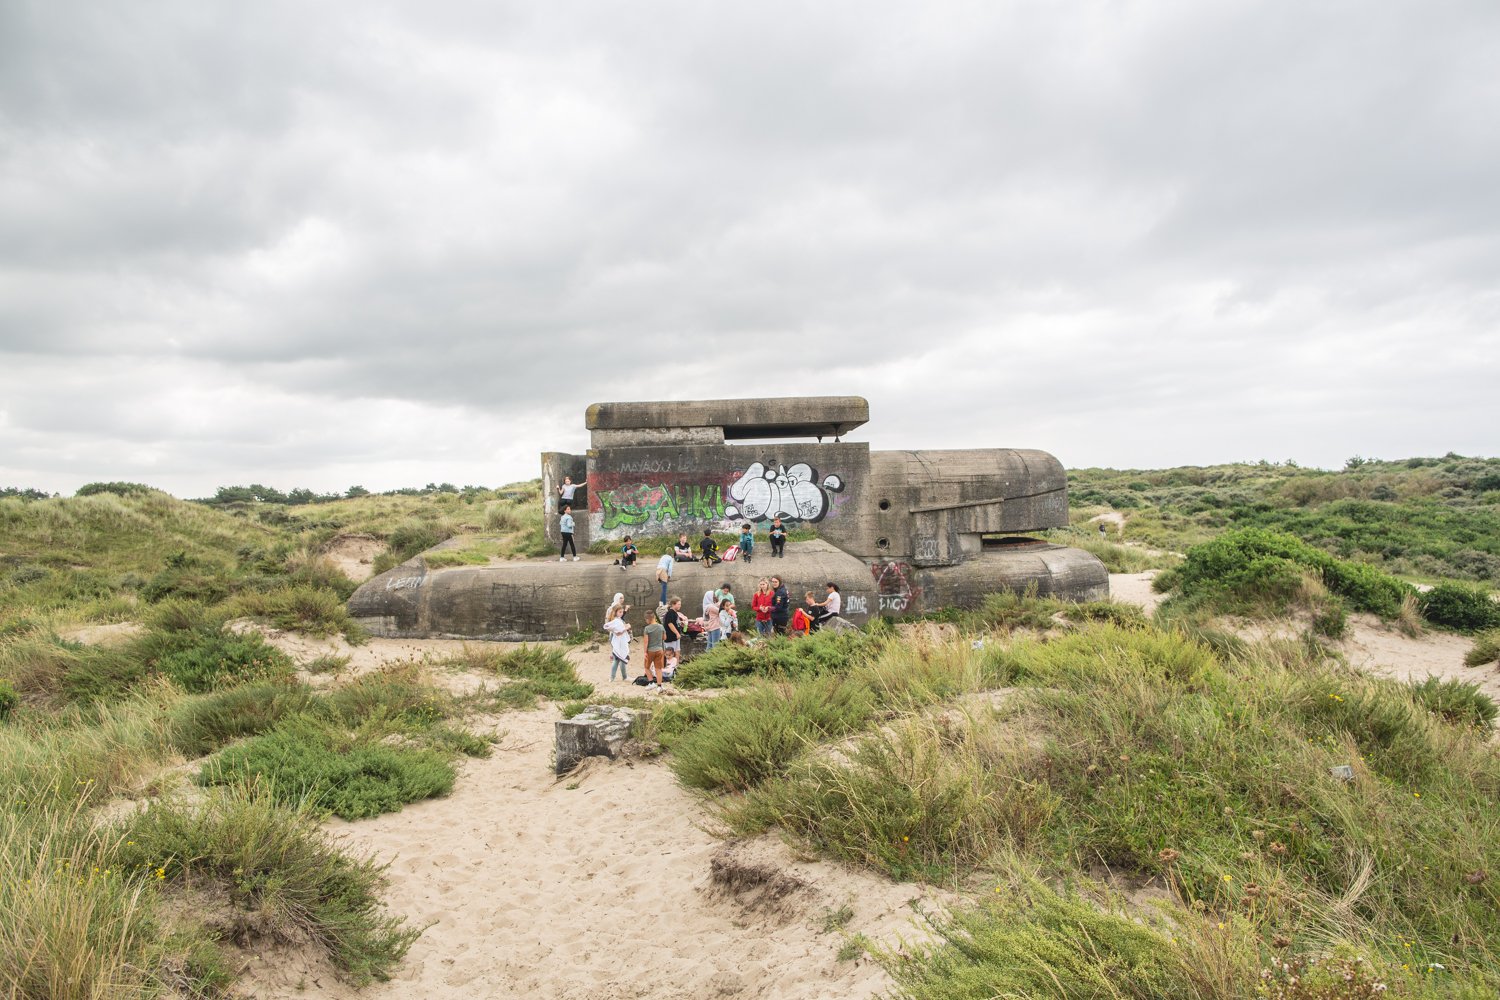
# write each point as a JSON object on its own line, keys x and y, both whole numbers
{"x": 664, "y": 567}
{"x": 781, "y": 605}
{"x": 829, "y": 606}
{"x": 762, "y": 602}
{"x": 683, "y": 550}
{"x": 778, "y": 539}
{"x": 565, "y": 527}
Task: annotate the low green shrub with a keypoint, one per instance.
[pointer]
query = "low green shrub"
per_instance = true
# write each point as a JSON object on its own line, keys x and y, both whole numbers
{"x": 749, "y": 737}
{"x": 197, "y": 726}
{"x": 352, "y": 776}
{"x": 824, "y": 652}
{"x": 221, "y": 658}
{"x": 536, "y": 672}
{"x": 1252, "y": 570}
{"x": 9, "y": 699}
{"x": 297, "y": 608}
{"x": 277, "y": 864}
{"x": 1486, "y": 649}
{"x": 1463, "y": 607}
{"x": 397, "y": 694}
{"x": 1459, "y": 702}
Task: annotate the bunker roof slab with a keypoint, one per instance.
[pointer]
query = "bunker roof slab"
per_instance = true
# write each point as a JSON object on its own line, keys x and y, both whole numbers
{"x": 740, "y": 419}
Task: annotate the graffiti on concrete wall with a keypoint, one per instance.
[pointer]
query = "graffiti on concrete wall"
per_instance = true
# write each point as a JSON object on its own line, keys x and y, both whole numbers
{"x": 893, "y": 584}
{"x": 792, "y": 494}
{"x": 640, "y": 503}
{"x": 856, "y": 604}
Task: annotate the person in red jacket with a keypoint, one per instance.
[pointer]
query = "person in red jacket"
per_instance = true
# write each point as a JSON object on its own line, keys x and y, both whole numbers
{"x": 761, "y": 603}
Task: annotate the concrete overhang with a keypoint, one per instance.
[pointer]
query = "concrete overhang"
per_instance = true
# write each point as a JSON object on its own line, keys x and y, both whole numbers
{"x": 740, "y": 419}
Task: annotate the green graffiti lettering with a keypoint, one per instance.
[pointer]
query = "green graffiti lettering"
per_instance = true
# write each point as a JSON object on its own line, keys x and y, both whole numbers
{"x": 632, "y": 505}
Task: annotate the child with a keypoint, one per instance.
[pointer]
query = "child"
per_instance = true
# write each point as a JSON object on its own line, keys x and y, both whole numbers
{"x": 673, "y": 624}
{"x": 709, "y": 548}
{"x": 628, "y": 553}
{"x": 800, "y": 623}
{"x": 565, "y": 529}
{"x": 778, "y": 539}
{"x": 747, "y": 542}
{"x": 729, "y": 620}
{"x": 664, "y": 567}
{"x": 619, "y": 645}
{"x": 762, "y": 602}
{"x": 656, "y": 653}
{"x": 683, "y": 550}
{"x": 713, "y": 629}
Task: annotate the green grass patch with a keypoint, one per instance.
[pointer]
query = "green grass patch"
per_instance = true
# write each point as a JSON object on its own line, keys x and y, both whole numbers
{"x": 824, "y": 652}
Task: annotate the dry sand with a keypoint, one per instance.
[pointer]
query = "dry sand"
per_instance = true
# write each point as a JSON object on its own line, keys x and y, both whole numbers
{"x": 600, "y": 886}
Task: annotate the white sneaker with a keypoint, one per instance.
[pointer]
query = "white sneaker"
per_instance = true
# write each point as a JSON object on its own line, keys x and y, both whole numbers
{"x": 562, "y": 558}
{"x": 575, "y": 558}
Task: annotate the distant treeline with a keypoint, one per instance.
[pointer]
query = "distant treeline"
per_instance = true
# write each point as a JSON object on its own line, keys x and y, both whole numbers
{"x": 254, "y": 493}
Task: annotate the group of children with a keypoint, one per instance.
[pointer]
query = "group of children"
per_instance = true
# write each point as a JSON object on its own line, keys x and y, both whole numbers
{"x": 665, "y": 629}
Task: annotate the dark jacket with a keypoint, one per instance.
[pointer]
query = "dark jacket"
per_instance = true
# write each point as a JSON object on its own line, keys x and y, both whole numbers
{"x": 781, "y": 608}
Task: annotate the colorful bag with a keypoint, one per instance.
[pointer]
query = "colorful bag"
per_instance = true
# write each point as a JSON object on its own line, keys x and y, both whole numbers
{"x": 732, "y": 553}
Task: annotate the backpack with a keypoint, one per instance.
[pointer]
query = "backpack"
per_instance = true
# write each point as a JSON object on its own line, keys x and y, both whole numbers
{"x": 732, "y": 553}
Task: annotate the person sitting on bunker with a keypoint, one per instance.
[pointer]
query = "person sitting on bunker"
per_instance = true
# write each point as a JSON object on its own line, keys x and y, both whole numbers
{"x": 683, "y": 550}
{"x": 628, "y": 554}
{"x": 709, "y": 548}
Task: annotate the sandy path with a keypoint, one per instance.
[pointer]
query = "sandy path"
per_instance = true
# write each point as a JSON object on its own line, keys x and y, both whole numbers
{"x": 597, "y": 886}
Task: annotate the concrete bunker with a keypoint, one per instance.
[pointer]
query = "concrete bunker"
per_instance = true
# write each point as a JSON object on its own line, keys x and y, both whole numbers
{"x": 899, "y": 531}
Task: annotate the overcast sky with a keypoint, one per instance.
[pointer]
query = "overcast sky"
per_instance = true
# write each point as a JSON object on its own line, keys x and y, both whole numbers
{"x": 386, "y": 244}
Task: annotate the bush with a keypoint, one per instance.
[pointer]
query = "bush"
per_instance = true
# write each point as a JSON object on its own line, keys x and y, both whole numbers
{"x": 823, "y": 652}
{"x": 1463, "y": 607}
{"x": 1486, "y": 649}
{"x": 297, "y": 608}
{"x": 1458, "y": 702}
{"x": 747, "y": 738}
{"x": 536, "y": 671}
{"x": 276, "y": 865}
{"x": 9, "y": 699}
{"x": 306, "y": 762}
{"x": 200, "y": 725}
{"x": 221, "y": 658}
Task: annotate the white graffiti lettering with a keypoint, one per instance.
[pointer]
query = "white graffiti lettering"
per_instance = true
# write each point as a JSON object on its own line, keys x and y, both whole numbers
{"x": 856, "y": 604}
{"x": 894, "y": 602}
{"x": 792, "y": 493}
{"x": 927, "y": 548}
{"x": 404, "y": 583}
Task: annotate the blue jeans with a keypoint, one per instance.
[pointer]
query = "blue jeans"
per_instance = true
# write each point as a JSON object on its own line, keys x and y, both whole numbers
{"x": 714, "y": 636}
{"x": 663, "y": 592}
{"x": 623, "y": 666}
{"x": 764, "y": 628}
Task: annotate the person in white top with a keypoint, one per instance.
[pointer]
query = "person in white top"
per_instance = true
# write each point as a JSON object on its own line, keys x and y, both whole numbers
{"x": 664, "y": 567}
{"x": 619, "y": 645}
{"x": 828, "y": 606}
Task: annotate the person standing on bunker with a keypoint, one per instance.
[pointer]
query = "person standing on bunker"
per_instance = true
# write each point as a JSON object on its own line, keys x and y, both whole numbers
{"x": 778, "y": 539}
{"x": 566, "y": 492}
{"x": 565, "y": 527}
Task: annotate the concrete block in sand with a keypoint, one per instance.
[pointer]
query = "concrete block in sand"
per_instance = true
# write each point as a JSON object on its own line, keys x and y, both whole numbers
{"x": 597, "y": 731}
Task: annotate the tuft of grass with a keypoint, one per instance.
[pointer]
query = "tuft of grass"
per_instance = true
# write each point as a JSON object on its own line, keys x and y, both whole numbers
{"x": 1486, "y": 649}
{"x": 306, "y": 763}
{"x": 730, "y": 664}
{"x": 1458, "y": 702}
{"x": 534, "y": 672}
{"x": 294, "y": 608}
{"x": 278, "y": 867}
{"x": 197, "y": 726}
{"x": 746, "y": 738}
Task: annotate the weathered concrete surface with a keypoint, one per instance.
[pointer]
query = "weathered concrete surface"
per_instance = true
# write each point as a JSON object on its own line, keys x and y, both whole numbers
{"x": 899, "y": 532}
{"x": 738, "y": 419}
{"x": 597, "y": 731}
{"x": 549, "y": 600}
